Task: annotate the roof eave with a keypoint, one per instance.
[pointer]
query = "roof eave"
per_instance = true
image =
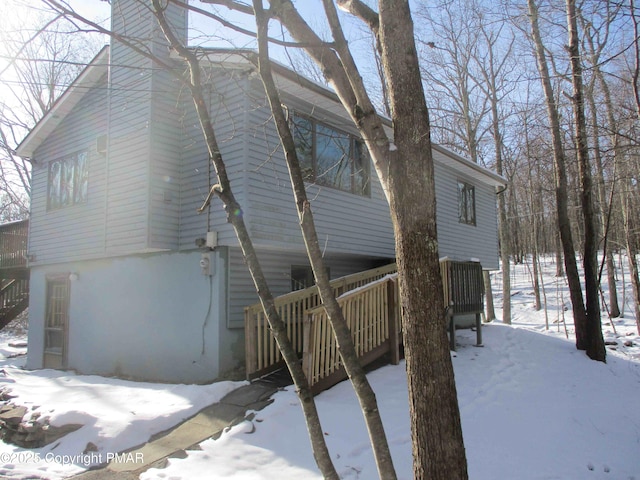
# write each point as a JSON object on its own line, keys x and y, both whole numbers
{"x": 87, "y": 79}
{"x": 239, "y": 58}
{"x": 464, "y": 164}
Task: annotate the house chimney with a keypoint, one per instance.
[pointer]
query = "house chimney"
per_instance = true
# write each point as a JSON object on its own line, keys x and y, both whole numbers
{"x": 135, "y": 21}
{"x": 143, "y": 140}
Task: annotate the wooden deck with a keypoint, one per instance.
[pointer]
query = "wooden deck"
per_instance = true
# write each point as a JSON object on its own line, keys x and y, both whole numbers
{"x": 370, "y": 304}
{"x": 14, "y": 274}
{"x": 262, "y": 354}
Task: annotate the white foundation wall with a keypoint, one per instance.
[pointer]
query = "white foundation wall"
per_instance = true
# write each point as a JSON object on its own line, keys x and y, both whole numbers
{"x": 153, "y": 317}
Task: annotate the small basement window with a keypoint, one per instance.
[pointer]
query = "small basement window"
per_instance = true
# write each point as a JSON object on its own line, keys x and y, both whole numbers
{"x": 302, "y": 277}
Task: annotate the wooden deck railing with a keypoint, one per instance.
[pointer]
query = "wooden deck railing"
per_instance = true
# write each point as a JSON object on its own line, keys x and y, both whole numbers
{"x": 13, "y": 244}
{"x": 370, "y": 304}
{"x": 14, "y": 299}
{"x": 262, "y": 354}
{"x": 373, "y": 316}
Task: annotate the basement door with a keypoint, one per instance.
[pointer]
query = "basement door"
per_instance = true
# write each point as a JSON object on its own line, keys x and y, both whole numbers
{"x": 56, "y": 329}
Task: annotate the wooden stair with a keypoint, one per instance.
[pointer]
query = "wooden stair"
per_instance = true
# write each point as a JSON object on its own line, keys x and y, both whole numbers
{"x": 14, "y": 272}
{"x": 14, "y": 299}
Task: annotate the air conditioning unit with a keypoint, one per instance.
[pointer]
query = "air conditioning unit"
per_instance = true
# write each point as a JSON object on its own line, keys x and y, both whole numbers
{"x": 101, "y": 144}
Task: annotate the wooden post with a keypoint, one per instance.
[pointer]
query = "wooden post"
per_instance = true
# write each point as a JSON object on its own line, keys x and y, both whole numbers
{"x": 307, "y": 347}
{"x": 394, "y": 340}
{"x": 250, "y": 342}
{"x": 478, "y": 330}
{"x": 452, "y": 331}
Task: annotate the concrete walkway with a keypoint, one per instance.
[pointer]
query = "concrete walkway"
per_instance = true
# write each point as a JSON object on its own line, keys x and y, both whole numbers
{"x": 209, "y": 422}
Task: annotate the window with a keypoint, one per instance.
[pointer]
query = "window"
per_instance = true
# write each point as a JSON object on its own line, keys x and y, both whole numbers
{"x": 331, "y": 158}
{"x": 68, "y": 179}
{"x": 302, "y": 277}
{"x": 57, "y": 321}
{"x": 466, "y": 203}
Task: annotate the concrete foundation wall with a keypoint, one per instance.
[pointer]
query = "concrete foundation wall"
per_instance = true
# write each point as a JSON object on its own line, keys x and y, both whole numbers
{"x": 155, "y": 317}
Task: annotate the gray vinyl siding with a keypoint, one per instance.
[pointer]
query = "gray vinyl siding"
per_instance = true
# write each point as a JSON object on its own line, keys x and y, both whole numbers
{"x": 144, "y": 195}
{"x": 129, "y": 138}
{"x": 460, "y": 241}
{"x": 228, "y": 106}
{"x": 346, "y": 223}
{"x": 166, "y": 142}
{"x": 144, "y": 140}
{"x": 75, "y": 231}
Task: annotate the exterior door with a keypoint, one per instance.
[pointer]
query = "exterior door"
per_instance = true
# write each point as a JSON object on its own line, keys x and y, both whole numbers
{"x": 56, "y": 329}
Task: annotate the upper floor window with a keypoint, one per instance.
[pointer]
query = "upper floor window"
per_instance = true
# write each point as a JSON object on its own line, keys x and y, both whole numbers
{"x": 330, "y": 157}
{"x": 68, "y": 180}
{"x": 466, "y": 203}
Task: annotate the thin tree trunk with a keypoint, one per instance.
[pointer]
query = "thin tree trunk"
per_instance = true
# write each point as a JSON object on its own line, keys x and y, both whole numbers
{"x": 346, "y": 348}
{"x": 626, "y": 199}
{"x": 405, "y": 169}
{"x": 535, "y": 200}
{"x": 559, "y": 261}
{"x": 636, "y": 50}
{"x": 234, "y": 216}
{"x": 594, "y": 340}
{"x": 503, "y": 228}
{"x": 614, "y": 308}
{"x": 490, "y": 310}
{"x": 632, "y": 251}
{"x": 613, "y": 128}
{"x": 564, "y": 224}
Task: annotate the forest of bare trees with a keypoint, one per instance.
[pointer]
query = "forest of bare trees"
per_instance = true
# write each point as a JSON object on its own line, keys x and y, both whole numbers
{"x": 486, "y": 101}
{"x": 37, "y": 63}
{"x": 502, "y": 88}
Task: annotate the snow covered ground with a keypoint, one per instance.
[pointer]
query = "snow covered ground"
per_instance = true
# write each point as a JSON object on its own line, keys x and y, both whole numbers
{"x": 533, "y": 407}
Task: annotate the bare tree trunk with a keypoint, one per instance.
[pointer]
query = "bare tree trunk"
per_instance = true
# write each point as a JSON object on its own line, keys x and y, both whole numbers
{"x": 605, "y": 208}
{"x": 405, "y": 169}
{"x": 490, "y": 310}
{"x": 412, "y": 192}
{"x": 636, "y": 50}
{"x": 559, "y": 261}
{"x": 626, "y": 197}
{"x": 564, "y": 224}
{"x": 631, "y": 244}
{"x": 346, "y": 348}
{"x": 535, "y": 200}
{"x": 593, "y": 329}
{"x": 614, "y": 308}
{"x": 491, "y": 73}
{"x": 234, "y": 216}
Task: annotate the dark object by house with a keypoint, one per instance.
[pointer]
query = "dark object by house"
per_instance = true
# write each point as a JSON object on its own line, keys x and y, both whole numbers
{"x": 463, "y": 294}
{"x": 14, "y": 274}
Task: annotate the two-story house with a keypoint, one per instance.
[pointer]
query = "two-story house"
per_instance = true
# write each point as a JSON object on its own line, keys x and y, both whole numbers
{"x": 128, "y": 279}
